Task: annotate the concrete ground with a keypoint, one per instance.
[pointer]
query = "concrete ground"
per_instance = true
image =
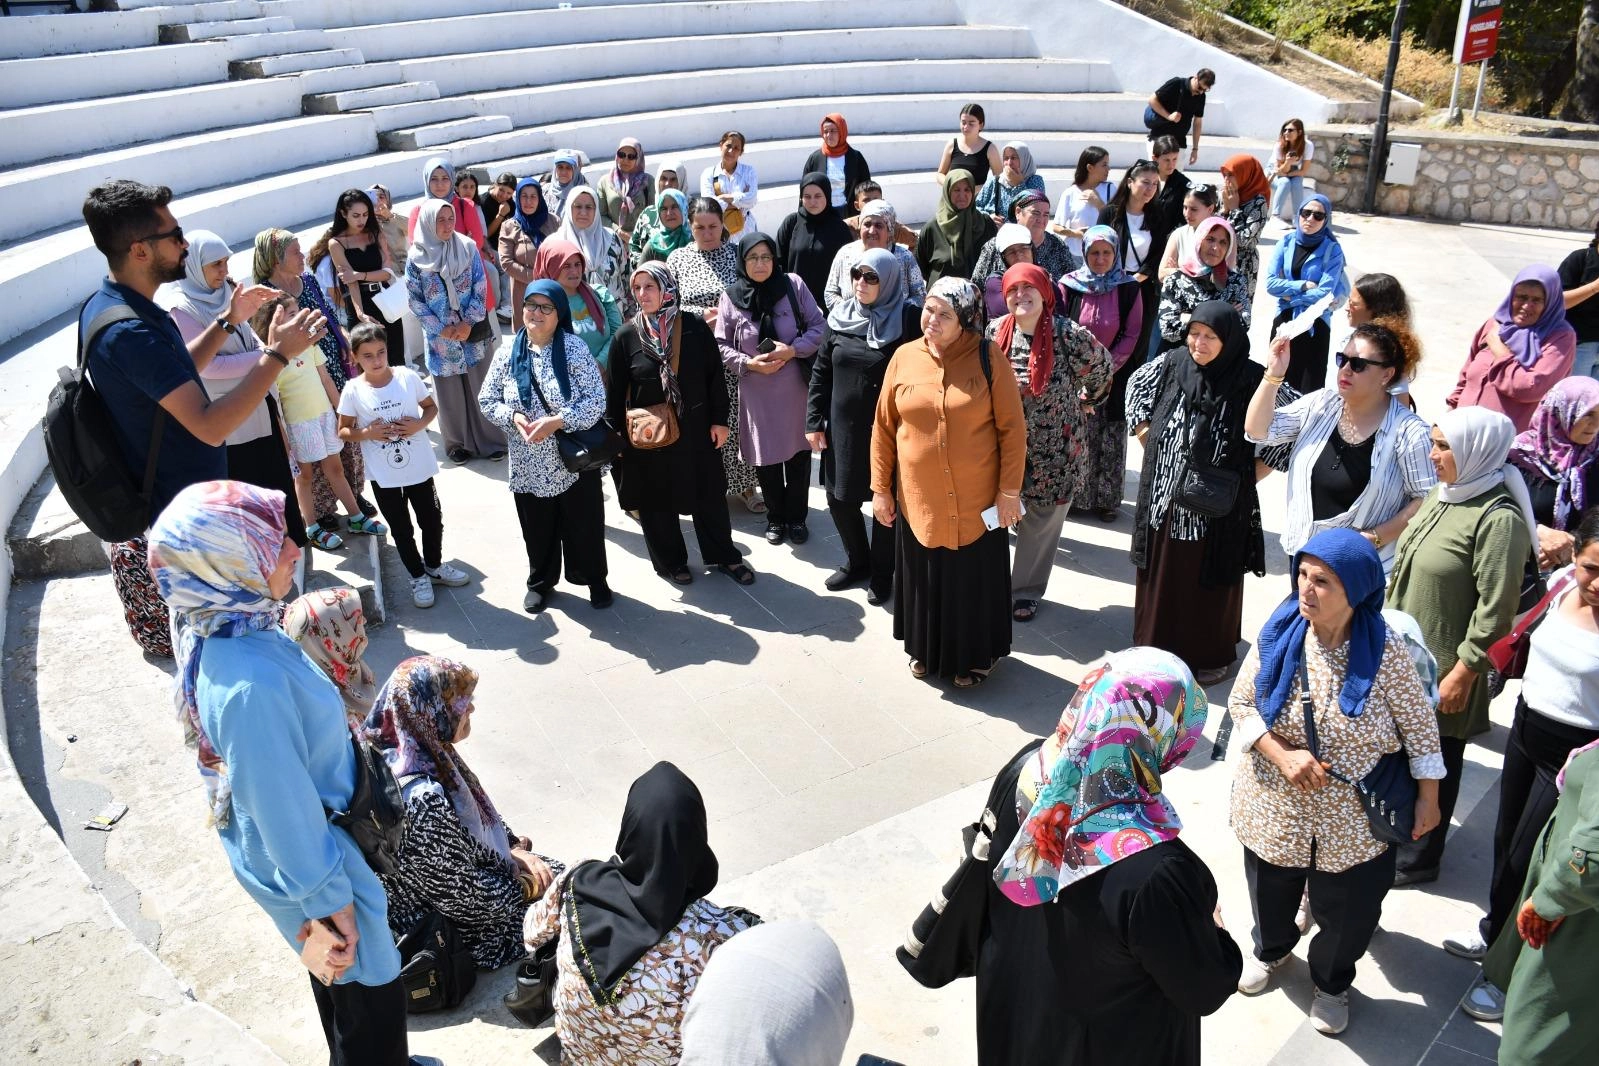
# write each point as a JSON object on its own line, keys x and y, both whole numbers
{"x": 836, "y": 784}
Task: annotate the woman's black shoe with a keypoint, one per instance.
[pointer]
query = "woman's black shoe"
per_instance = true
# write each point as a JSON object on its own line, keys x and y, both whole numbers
{"x": 600, "y": 595}
{"x": 878, "y": 597}
{"x": 843, "y": 578}
{"x": 739, "y": 572}
{"x": 798, "y": 533}
{"x": 775, "y": 531}
{"x": 535, "y": 600}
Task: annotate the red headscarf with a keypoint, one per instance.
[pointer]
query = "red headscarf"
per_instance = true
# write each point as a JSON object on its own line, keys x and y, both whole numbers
{"x": 548, "y": 262}
{"x": 1250, "y": 176}
{"x": 1041, "y": 357}
{"x": 843, "y": 136}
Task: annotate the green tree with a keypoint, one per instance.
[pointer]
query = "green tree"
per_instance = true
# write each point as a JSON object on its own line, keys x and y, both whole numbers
{"x": 1583, "y": 100}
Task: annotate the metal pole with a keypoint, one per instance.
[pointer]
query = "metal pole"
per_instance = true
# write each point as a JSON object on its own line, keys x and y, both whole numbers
{"x": 1379, "y": 136}
{"x": 1482, "y": 76}
{"x": 1454, "y": 97}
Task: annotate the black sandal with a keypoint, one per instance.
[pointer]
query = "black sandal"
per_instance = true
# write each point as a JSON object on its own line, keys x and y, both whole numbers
{"x": 739, "y": 572}
{"x": 678, "y": 575}
{"x": 1023, "y": 610}
{"x": 971, "y": 679}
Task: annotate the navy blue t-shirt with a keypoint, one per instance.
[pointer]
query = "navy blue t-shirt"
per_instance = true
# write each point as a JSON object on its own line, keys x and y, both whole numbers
{"x": 133, "y": 364}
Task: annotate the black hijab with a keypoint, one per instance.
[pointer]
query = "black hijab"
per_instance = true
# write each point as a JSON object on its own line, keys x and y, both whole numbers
{"x": 761, "y": 299}
{"x": 809, "y": 242}
{"x": 663, "y": 862}
{"x": 1204, "y": 386}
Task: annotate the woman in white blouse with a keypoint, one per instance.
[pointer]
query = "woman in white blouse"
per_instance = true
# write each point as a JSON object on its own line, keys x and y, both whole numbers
{"x": 733, "y": 185}
{"x": 1089, "y": 192}
{"x": 1359, "y": 456}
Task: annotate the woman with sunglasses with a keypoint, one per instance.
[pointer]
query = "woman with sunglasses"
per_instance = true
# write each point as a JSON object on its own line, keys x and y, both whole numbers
{"x": 1308, "y": 265}
{"x": 1289, "y": 162}
{"x": 1359, "y": 457}
{"x": 627, "y": 190}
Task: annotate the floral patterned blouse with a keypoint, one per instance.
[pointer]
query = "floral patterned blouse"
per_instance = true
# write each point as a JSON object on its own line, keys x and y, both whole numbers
{"x": 537, "y": 468}
{"x": 645, "y": 1027}
{"x": 431, "y": 305}
{"x": 1180, "y": 294}
{"x": 1055, "y": 419}
{"x": 1278, "y": 822}
{"x": 1248, "y": 219}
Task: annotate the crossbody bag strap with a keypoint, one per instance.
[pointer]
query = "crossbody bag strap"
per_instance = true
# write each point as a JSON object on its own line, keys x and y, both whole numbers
{"x": 1309, "y": 707}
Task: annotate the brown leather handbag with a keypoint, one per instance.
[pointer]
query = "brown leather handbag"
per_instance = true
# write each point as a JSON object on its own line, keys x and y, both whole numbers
{"x": 655, "y": 425}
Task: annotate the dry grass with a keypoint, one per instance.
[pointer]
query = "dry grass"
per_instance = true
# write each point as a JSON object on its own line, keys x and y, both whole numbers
{"x": 1423, "y": 73}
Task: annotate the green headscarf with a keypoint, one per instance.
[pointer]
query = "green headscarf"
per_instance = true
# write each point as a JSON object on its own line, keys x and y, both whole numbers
{"x": 961, "y": 230}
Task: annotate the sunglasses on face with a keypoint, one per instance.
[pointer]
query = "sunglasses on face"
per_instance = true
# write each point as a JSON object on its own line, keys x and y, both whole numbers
{"x": 1356, "y": 364}
{"x": 173, "y": 234}
{"x": 626, "y": 153}
{"x": 858, "y": 274}
{"x": 1319, "y": 216}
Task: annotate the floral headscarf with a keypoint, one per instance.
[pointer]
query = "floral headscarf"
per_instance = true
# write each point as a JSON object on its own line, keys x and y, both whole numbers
{"x": 1546, "y": 449}
{"x": 659, "y": 327}
{"x": 414, "y": 723}
{"x": 212, "y": 552}
{"x": 630, "y": 185}
{"x": 1092, "y": 794}
{"x": 329, "y": 627}
{"x": 963, "y": 297}
{"x": 1083, "y": 279}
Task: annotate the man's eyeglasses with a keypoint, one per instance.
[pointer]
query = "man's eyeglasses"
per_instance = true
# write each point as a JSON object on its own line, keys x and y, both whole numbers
{"x": 1355, "y": 363}
{"x": 173, "y": 234}
{"x": 858, "y": 274}
{"x": 1319, "y": 216}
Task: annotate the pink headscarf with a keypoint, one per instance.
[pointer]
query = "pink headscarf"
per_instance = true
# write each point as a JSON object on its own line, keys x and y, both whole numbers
{"x": 1195, "y": 267}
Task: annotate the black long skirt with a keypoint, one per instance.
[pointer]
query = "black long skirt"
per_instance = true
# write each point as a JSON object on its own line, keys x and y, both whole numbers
{"x": 1200, "y": 624}
{"x": 952, "y": 605}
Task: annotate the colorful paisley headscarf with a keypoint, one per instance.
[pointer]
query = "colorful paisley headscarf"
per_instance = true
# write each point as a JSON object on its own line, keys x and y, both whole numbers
{"x": 1546, "y": 448}
{"x": 329, "y": 627}
{"x": 1092, "y": 794}
{"x": 211, "y": 554}
{"x": 414, "y": 723}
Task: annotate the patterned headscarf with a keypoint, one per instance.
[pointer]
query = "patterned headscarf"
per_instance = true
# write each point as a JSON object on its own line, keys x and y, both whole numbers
{"x": 212, "y": 552}
{"x": 663, "y": 241}
{"x": 881, "y": 208}
{"x": 1083, "y": 279}
{"x": 449, "y": 259}
{"x": 1092, "y": 794}
{"x": 1526, "y": 342}
{"x": 414, "y": 723}
{"x": 1546, "y": 448}
{"x": 629, "y": 185}
{"x": 1195, "y": 267}
{"x": 1041, "y": 356}
{"x": 658, "y": 329}
{"x": 331, "y": 630}
{"x": 271, "y": 245}
{"x": 963, "y": 297}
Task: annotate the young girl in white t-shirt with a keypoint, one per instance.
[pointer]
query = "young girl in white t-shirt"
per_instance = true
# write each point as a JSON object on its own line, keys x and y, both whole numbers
{"x": 388, "y": 409}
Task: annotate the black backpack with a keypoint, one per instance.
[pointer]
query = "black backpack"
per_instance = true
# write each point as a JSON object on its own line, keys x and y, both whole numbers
{"x": 86, "y": 458}
{"x": 376, "y": 818}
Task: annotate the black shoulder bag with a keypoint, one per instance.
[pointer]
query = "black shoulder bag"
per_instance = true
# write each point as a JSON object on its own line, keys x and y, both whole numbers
{"x": 376, "y": 818}
{"x": 1388, "y": 792}
{"x": 582, "y": 450}
{"x": 1206, "y": 488}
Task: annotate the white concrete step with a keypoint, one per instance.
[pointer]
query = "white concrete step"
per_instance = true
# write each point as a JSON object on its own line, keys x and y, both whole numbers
{"x": 270, "y": 66}
{"x": 46, "y": 539}
{"x": 404, "y": 92}
{"x": 624, "y": 22}
{"x": 51, "y": 131}
{"x": 357, "y": 565}
{"x": 439, "y": 133}
{"x": 424, "y": 112}
{"x": 251, "y": 45}
{"x": 339, "y": 79}
{"x": 27, "y": 36}
{"x": 564, "y": 63}
{"x": 85, "y": 75}
{"x": 896, "y": 80}
{"x": 207, "y": 11}
{"x": 320, "y": 13}
{"x": 206, "y": 31}
{"x": 50, "y": 195}
{"x": 42, "y": 277}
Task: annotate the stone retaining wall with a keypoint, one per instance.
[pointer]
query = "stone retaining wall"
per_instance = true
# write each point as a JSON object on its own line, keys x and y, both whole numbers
{"x": 1524, "y": 181}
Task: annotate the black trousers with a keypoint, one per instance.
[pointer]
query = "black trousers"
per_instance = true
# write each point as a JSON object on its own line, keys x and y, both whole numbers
{"x": 713, "y": 529}
{"x": 1346, "y": 907}
{"x": 784, "y": 485}
{"x": 1537, "y": 750}
{"x": 1307, "y": 355}
{"x": 397, "y": 505}
{"x": 1428, "y": 852}
{"x": 364, "y": 1024}
{"x": 570, "y": 525}
{"x": 264, "y": 463}
{"x": 873, "y": 554}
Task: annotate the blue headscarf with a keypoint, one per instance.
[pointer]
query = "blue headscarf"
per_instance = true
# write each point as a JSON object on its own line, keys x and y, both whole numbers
{"x": 1313, "y": 240}
{"x": 1282, "y": 639}
{"x": 532, "y": 225}
{"x": 522, "y": 351}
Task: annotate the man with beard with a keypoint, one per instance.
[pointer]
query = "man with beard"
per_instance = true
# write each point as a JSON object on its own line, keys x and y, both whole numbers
{"x": 149, "y": 380}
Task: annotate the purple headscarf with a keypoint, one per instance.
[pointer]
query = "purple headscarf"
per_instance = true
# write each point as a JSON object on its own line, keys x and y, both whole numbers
{"x": 1525, "y": 342}
{"x": 1546, "y": 448}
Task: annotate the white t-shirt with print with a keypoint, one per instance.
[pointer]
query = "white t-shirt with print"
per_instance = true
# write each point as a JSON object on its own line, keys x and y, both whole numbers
{"x": 395, "y": 464}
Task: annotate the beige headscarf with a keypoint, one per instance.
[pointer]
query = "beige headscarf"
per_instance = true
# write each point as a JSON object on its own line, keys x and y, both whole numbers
{"x": 330, "y": 628}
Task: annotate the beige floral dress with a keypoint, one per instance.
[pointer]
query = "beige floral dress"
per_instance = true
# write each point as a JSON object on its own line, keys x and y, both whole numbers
{"x": 1278, "y": 822}
{"x": 644, "y": 1027}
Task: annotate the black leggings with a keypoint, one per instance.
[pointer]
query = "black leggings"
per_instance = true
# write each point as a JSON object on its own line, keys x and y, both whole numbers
{"x": 424, "y": 500}
{"x": 785, "y": 486}
{"x": 1307, "y": 355}
{"x": 364, "y": 1024}
{"x": 864, "y": 552}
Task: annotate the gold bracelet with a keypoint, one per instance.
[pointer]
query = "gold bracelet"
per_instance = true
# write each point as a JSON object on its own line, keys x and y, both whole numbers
{"x": 1270, "y": 380}
{"x": 1010, "y": 495}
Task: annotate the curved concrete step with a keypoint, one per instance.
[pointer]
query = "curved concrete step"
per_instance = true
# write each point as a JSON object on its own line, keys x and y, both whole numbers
{"x": 86, "y": 75}
{"x": 403, "y": 92}
{"x": 437, "y": 133}
{"x": 206, "y": 31}
{"x": 270, "y": 66}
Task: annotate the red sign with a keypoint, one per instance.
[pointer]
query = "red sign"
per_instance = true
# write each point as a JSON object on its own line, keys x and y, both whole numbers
{"x": 1477, "y": 35}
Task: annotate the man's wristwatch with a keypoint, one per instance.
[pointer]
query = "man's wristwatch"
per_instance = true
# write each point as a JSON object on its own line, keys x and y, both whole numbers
{"x": 226, "y": 326}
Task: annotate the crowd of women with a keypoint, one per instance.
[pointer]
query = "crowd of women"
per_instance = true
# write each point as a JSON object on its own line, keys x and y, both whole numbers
{"x": 973, "y": 383}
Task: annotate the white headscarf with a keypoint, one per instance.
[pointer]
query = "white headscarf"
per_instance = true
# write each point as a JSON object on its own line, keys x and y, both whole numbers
{"x": 447, "y": 259}
{"x": 774, "y": 995}
{"x": 195, "y": 298}
{"x": 1480, "y": 440}
{"x": 595, "y": 242}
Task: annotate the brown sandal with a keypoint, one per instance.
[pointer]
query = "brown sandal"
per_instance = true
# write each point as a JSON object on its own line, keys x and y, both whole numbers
{"x": 918, "y": 669}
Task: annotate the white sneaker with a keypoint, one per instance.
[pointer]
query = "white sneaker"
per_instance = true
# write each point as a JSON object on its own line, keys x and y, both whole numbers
{"x": 1468, "y": 945}
{"x": 422, "y": 591}
{"x": 445, "y": 574}
{"x": 1256, "y": 975}
{"x": 1329, "y": 1013}
{"x": 1484, "y": 1002}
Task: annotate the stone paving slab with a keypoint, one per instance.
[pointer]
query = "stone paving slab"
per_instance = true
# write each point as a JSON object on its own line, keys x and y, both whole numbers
{"x": 835, "y": 783}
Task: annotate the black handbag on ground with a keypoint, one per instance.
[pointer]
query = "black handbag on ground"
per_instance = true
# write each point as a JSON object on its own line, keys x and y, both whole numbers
{"x": 1388, "y": 792}
{"x": 532, "y": 1001}
{"x": 376, "y": 818}
{"x": 436, "y": 967}
{"x": 582, "y": 450}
